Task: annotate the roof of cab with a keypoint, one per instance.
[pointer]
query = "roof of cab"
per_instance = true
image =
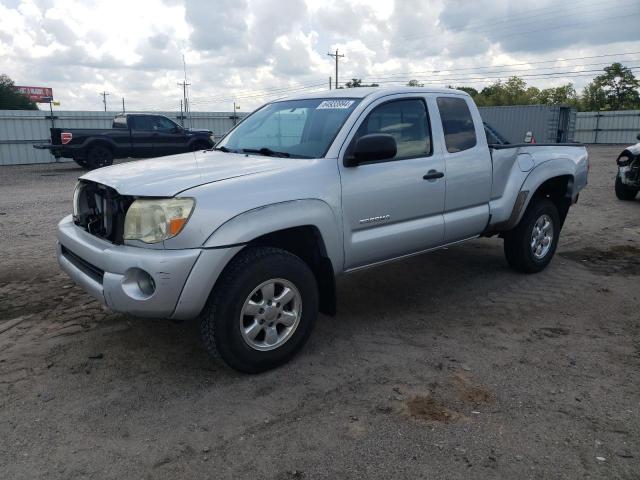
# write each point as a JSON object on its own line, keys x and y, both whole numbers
{"x": 362, "y": 92}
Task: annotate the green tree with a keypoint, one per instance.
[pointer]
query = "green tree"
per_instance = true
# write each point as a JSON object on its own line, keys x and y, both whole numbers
{"x": 562, "y": 95}
{"x": 415, "y": 83}
{"x": 470, "y": 90}
{"x": 593, "y": 98}
{"x": 357, "y": 82}
{"x": 10, "y": 99}
{"x": 620, "y": 87}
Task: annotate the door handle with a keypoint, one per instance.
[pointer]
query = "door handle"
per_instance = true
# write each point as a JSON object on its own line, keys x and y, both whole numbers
{"x": 433, "y": 175}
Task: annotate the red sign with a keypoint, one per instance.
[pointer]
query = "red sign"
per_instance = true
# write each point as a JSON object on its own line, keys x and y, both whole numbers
{"x": 37, "y": 94}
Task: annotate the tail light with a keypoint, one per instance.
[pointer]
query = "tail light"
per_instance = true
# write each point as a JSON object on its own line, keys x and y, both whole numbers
{"x": 65, "y": 137}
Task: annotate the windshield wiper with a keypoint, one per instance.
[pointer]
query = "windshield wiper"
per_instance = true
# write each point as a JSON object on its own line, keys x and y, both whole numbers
{"x": 224, "y": 149}
{"x": 267, "y": 152}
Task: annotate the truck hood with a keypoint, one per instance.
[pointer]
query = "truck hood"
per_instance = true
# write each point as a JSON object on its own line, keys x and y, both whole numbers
{"x": 168, "y": 176}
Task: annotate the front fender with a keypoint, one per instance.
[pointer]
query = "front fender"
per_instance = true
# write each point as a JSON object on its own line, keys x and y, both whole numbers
{"x": 254, "y": 223}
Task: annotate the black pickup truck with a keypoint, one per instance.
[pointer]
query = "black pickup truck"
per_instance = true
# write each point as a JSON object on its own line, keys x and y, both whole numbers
{"x": 133, "y": 135}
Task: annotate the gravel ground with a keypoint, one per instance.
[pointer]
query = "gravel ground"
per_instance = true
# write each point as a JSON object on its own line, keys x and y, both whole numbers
{"x": 447, "y": 365}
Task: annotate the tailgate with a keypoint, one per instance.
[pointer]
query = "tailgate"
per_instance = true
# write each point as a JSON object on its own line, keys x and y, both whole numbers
{"x": 55, "y": 136}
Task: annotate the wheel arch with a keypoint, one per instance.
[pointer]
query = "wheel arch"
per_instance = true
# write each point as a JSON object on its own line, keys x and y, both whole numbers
{"x": 554, "y": 180}
{"x": 93, "y": 142}
{"x": 307, "y": 228}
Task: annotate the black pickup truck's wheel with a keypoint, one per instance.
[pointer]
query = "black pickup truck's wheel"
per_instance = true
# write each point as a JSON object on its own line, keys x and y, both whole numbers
{"x": 624, "y": 192}
{"x": 531, "y": 245}
{"x": 261, "y": 311}
{"x": 99, "y": 156}
{"x": 81, "y": 162}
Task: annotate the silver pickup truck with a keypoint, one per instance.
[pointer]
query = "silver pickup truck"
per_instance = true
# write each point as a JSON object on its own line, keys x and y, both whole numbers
{"x": 249, "y": 237}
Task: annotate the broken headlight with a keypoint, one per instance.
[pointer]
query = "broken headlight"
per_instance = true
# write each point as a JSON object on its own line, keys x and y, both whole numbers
{"x": 155, "y": 220}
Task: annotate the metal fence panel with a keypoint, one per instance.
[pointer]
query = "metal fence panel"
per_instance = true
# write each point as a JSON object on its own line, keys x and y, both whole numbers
{"x": 619, "y": 126}
{"x": 20, "y": 129}
{"x": 513, "y": 122}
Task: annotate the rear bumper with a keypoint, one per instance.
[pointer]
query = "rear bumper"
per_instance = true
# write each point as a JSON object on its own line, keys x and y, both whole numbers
{"x": 56, "y": 150}
{"x": 183, "y": 279}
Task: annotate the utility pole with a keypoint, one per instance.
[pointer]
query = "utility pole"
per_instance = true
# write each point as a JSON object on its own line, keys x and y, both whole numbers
{"x": 185, "y": 97}
{"x": 235, "y": 117}
{"x": 123, "y": 111}
{"x": 181, "y": 116}
{"x": 329, "y": 82}
{"x": 336, "y": 56}
{"x": 104, "y": 99}
{"x": 184, "y": 100}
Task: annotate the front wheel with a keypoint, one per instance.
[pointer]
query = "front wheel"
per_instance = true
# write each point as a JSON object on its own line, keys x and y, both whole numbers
{"x": 624, "y": 192}
{"x": 531, "y": 245}
{"x": 262, "y": 310}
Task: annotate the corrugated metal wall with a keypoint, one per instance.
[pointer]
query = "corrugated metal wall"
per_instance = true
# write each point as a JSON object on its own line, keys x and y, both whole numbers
{"x": 608, "y": 127}
{"x": 20, "y": 129}
{"x": 513, "y": 122}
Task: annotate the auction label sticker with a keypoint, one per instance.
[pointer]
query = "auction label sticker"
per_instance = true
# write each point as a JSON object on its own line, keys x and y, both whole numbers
{"x": 334, "y": 104}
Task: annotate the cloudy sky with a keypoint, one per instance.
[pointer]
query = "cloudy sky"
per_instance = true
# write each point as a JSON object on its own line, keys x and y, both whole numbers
{"x": 256, "y": 50}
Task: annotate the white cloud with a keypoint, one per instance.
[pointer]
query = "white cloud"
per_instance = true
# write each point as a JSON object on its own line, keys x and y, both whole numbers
{"x": 253, "y": 50}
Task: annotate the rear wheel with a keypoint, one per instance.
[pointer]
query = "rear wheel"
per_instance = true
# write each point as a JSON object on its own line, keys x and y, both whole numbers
{"x": 81, "y": 162}
{"x": 262, "y": 310}
{"x": 531, "y": 245}
{"x": 99, "y": 156}
{"x": 624, "y": 192}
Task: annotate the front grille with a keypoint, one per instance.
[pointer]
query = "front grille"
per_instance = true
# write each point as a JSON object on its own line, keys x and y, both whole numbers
{"x": 100, "y": 210}
{"x": 80, "y": 263}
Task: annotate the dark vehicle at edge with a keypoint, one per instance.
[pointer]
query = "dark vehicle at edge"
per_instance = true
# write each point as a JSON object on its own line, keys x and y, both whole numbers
{"x": 134, "y": 135}
{"x": 628, "y": 176}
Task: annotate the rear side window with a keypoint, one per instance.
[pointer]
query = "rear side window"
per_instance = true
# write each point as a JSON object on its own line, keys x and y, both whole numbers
{"x": 408, "y": 122}
{"x": 458, "y": 126}
{"x": 119, "y": 122}
{"x": 141, "y": 122}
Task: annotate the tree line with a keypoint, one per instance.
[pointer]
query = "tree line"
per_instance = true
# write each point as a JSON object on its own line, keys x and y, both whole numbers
{"x": 615, "y": 89}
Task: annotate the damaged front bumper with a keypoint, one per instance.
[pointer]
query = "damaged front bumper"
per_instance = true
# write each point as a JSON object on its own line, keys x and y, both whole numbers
{"x": 139, "y": 281}
{"x": 144, "y": 282}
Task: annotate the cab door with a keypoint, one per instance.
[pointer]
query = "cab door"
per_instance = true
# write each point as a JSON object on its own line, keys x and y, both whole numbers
{"x": 141, "y": 128}
{"x": 168, "y": 137}
{"x": 469, "y": 168}
{"x": 393, "y": 207}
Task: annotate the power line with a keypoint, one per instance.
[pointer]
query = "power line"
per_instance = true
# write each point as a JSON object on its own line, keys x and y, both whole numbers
{"x": 418, "y": 72}
{"x": 508, "y": 71}
{"x": 585, "y": 73}
{"x": 264, "y": 93}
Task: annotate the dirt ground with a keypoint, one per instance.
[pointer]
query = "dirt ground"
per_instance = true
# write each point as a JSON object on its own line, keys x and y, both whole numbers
{"x": 447, "y": 365}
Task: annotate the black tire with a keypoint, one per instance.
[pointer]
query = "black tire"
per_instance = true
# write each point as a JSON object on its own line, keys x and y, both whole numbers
{"x": 517, "y": 242}
{"x": 624, "y": 192}
{"x": 81, "y": 162}
{"x": 220, "y": 322}
{"x": 99, "y": 156}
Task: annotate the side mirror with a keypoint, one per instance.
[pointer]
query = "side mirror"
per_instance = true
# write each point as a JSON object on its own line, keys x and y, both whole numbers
{"x": 176, "y": 130}
{"x": 372, "y": 148}
{"x": 638, "y": 136}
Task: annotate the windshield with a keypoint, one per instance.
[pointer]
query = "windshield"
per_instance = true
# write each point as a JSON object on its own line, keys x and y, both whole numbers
{"x": 293, "y": 128}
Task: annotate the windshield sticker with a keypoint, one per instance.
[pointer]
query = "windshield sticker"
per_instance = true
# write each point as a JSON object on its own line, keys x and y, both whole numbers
{"x": 335, "y": 104}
